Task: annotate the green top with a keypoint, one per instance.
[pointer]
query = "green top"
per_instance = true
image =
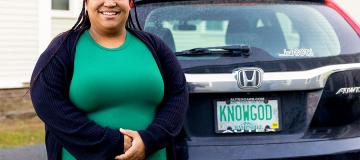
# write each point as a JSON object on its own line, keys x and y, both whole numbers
{"x": 117, "y": 87}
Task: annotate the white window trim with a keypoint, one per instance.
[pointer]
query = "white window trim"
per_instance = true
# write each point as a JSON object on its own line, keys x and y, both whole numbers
{"x": 44, "y": 24}
{"x": 73, "y": 12}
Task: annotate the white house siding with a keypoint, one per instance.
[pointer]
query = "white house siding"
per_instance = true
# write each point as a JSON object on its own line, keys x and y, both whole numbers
{"x": 59, "y": 25}
{"x": 18, "y": 41}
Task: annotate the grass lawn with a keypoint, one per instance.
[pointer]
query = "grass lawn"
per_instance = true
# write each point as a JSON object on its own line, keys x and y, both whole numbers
{"x": 21, "y": 132}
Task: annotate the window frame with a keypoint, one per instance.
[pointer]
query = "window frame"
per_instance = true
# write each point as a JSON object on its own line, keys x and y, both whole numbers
{"x": 74, "y": 7}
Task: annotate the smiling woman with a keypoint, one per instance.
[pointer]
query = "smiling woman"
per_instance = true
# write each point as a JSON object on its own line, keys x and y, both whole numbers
{"x": 89, "y": 83}
{"x": 108, "y": 17}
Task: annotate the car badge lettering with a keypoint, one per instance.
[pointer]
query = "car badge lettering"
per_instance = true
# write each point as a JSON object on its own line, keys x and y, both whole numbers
{"x": 349, "y": 90}
{"x": 249, "y": 78}
{"x": 302, "y": 52}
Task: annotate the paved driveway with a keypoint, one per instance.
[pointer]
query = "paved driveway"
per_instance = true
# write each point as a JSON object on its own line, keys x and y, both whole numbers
{"x": 35, "y": 152}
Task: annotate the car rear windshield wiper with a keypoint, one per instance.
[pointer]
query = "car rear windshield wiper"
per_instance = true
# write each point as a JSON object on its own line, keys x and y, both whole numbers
{"x": 231, "y": 50}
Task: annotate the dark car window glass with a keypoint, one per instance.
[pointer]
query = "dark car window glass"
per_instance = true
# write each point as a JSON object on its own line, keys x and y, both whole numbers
{"x": 283, "y": 31}
{"x": 291, "y": 35}
{"x": 215, "y": 25}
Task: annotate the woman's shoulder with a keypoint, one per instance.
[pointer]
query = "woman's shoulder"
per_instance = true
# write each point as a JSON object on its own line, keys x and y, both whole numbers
{"x": 59, "y": 49}
{"x": 63, "y": 42}
{"x": 64, "y": 39}
{"x": 157, "y": 44}
{"x": 146, "y": 36}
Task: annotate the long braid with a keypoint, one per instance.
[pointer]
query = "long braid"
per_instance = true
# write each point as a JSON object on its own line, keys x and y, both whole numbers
{"x": 83, "y": 19}
{"x": 130, "y": 23}
{"x": 83, "y": 22}
{"x": 136, "y": 18}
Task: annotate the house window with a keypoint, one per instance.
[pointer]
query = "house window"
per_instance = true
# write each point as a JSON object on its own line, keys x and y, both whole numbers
{"x": 60, "y": 5}
{"x": 66, "y": 8}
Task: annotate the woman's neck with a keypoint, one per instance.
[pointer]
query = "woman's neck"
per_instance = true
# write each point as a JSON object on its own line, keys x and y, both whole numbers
{"x": 112, "y": 39}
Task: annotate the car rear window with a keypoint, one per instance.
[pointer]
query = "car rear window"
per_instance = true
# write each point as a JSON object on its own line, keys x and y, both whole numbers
{"x": 283, "y": 31}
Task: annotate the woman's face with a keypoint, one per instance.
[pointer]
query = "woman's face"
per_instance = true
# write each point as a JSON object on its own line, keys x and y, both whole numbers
{"x": 108, "y": 15}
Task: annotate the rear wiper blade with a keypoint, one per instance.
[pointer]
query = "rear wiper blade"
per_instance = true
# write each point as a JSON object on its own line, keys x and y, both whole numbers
{"x": 231, "y": 50}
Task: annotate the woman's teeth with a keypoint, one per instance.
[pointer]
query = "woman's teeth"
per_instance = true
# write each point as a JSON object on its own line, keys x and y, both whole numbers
{"x": 109, "y": 13}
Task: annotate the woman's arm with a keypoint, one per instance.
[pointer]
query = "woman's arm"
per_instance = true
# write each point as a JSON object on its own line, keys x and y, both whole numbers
{"x": 83, "y": 138}
{"x": 171, "y": 113}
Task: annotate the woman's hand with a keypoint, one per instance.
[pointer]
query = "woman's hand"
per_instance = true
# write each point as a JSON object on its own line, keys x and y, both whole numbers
{"x": 127, "y": 142}
{"x": 136, "y": 150}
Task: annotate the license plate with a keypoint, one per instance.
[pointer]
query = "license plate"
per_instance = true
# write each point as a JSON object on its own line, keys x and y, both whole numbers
{"x": 239, "y": 115}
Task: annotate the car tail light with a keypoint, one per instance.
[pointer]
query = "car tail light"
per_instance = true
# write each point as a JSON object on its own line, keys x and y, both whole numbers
{"x": 347, "y": 17}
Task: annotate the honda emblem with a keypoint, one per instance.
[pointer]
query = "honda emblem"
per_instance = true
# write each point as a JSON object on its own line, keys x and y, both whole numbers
{"x": 249, "y": 78}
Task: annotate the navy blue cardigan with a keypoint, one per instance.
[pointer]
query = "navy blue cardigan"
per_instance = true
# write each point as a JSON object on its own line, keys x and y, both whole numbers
{"x": 67, "y": 126}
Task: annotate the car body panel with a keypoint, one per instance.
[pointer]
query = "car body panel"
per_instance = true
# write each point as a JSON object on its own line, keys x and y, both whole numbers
{"x": 318, "y": 96}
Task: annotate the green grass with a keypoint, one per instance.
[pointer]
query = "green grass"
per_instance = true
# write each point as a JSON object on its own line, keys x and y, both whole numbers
{"x": 16, "y": 132}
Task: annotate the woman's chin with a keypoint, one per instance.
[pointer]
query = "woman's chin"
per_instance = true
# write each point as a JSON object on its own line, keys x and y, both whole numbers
{"x": 112, "y": 27}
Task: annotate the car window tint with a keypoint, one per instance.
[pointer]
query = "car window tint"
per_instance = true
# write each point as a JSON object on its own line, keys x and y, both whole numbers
{"x": 204, "y": 33}
{"x": 292, "y": 37}
{"x": 283, "y": 31}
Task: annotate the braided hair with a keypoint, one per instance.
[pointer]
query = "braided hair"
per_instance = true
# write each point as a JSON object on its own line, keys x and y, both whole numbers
{"x": 82, "y": 23}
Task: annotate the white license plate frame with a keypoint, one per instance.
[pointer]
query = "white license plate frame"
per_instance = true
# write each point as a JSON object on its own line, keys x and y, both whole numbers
{"x": 247, "y": 125}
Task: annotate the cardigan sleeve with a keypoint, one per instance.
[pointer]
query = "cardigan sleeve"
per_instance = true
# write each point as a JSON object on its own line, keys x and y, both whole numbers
{"x": 83, "y": 138}
{"x": 170, "y": 115}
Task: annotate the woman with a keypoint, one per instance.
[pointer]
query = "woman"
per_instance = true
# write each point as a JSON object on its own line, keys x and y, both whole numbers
{"x": 101, "y": 76}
